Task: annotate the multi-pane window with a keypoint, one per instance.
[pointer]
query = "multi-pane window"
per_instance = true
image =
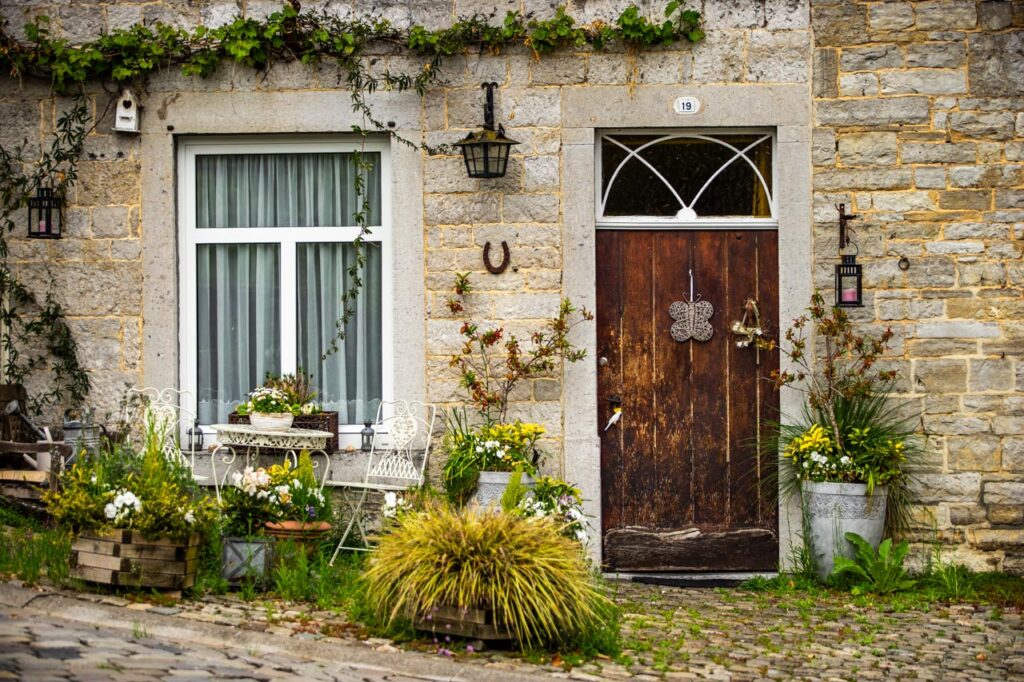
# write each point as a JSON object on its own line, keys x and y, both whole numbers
{"x": 266, "y": 251}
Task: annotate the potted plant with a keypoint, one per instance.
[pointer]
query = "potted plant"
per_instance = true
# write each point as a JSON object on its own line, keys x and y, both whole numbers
{"x": 303, "y": 513}
{"x": 847, "y": 453}
{"x": 549, "y": 498}
{"x": 483, "y": 458}
{"x": 490, "y": 365}
{"x": 247, "y": 504}
{"x": 269, "y": 408}
{"x": 298, "y": 390}
{"x": 137, "y": 515}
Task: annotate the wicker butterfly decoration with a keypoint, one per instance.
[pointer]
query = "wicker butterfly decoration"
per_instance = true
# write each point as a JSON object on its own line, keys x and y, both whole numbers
{"x": 692, "y": 317}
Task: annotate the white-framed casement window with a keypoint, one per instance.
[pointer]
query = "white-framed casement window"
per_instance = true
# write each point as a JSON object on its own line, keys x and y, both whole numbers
{"x": 693, "y": 178}
{"x": 265, "y": 243}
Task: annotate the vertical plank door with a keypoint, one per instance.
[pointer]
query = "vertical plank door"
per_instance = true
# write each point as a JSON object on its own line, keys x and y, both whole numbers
{"x": 683, "y": 485}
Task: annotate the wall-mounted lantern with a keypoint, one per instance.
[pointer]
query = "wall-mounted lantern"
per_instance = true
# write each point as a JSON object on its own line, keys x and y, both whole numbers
{"x": 44, "y": 214}
{"x": 849, "y": 274}
{"x": 486, "y": 150}
{"x": 848, "y": 283}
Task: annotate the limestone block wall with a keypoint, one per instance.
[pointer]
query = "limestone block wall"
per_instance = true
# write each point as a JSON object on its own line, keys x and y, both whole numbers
{"x": 919, "y": 115}
{"x": 919, "y": 129}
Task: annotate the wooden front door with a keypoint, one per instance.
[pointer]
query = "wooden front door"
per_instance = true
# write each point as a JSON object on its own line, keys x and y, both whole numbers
{"x": 681, "y": 478}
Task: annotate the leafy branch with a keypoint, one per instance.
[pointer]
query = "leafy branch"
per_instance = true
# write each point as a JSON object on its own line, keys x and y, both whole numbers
{"x": 45, "y": 327}
{"x": 491, "y": 364}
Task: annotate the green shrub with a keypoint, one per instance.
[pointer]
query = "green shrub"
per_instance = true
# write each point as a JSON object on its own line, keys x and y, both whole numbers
{"x": 29, "y": 555}
{"x": 880, "y": 572}
{"x": 535, "y": 580}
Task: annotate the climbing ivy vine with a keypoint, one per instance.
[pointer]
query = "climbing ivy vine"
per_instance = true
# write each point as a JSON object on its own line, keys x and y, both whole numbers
{"x": 129, "y": 55}
{"x": 26, "y": 323}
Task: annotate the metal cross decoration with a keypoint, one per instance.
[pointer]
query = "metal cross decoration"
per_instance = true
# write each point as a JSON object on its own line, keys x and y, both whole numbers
{"x": 692, "y": 318}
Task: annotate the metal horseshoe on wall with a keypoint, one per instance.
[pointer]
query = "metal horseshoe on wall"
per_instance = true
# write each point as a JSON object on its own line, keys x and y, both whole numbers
{"x": 506, "y": 256}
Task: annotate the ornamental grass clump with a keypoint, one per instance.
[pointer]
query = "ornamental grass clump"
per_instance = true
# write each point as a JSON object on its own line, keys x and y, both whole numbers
{"x": 534, "y": 579}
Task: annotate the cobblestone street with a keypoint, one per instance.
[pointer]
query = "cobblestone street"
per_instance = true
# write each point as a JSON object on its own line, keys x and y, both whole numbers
{"x": 669, "y": 633}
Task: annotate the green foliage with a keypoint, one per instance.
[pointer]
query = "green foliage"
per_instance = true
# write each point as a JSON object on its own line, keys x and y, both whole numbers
{"x": 879, "y": 572}
{"x": 30, "y": 554}
{"x": 120, "y": 487}
{"x": 861, "y": 435}
{"x": 533, "y": 578}
{"x": 25, "y": 322}
{"x": 490, "y": 365}
{"x": 515, "y": 493}
{"x": 557, "y": 500}
{"x": 488, "y": 447}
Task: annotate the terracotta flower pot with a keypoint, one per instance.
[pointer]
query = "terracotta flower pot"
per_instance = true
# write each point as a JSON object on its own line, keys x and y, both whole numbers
{"x": 301, "y": 531}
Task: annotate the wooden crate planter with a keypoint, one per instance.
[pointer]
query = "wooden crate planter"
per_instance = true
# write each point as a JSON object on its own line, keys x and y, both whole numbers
{"x": 123, "y": 558}
{"x": 469, "y": 623}
{"x": 321, "y": 421}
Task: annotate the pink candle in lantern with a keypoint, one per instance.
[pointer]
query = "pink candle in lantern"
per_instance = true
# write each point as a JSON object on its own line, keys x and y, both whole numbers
{"x": 849, "y": 295}
{"x": 42, "y": 227}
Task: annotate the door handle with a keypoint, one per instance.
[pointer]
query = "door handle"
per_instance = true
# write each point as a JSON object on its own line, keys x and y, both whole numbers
{"x": 602, "y": 361}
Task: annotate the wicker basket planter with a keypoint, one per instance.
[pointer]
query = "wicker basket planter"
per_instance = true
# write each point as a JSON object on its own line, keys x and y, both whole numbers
{"x": 321, "y": 421}
{"x": 123, "y": 558}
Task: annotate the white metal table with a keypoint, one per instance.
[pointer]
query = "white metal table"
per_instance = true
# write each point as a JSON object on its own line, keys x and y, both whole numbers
{"x": 292, "y": 441}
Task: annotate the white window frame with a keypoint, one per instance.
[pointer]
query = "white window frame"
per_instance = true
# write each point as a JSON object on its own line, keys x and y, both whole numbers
{"x": 645, "y": 222}
{"x": 189, "y": 236}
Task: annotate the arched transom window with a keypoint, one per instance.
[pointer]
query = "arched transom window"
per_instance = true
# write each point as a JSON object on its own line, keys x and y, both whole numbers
{"x": 696, "y": 178}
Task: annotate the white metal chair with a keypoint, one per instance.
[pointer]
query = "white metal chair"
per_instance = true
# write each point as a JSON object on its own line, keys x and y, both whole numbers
{"x": 173, "y": 421}
{"x": 402, "y": 431}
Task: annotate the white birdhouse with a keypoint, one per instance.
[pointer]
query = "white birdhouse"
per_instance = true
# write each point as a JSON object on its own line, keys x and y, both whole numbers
{"x": 126, "y": 119}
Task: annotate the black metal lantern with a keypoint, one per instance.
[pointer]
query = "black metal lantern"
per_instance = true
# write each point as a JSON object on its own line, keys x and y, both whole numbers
{"x": 194, "y": 437}
{"x": 486, "y": 150}
{"x": 848, "y": 283}
{"x": 44, "y": 214}
{"x": 367, "y": 436}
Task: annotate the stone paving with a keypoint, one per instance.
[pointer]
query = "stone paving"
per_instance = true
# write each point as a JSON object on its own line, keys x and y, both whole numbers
{"x": 669, "y": 633}
{"x": 45, "y": 647}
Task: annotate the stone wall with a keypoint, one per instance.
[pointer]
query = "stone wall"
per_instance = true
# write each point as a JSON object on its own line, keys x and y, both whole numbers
{"x": 919, "y": 129}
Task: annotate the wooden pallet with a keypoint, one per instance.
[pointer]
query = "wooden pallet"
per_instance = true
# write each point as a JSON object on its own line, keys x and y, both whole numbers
{"x": 470, "y": 623}
{"x": 124, "y": 558}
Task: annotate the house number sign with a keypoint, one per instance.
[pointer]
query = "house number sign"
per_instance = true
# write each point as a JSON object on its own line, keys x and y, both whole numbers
{"x": 686, "y": 106}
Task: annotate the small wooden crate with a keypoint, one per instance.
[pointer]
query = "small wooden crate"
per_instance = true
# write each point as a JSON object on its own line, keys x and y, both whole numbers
{"x": 123, "y": 558}
{"x": 470, "y": 623}
{"x": 321, "y": 421}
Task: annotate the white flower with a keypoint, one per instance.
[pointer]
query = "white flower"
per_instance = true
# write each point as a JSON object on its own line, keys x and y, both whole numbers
{"x": 390, "y": 499}
{"x": 190, "y": 518}
{"x": 581, "y": 535}
{"x": 110, "y": 511}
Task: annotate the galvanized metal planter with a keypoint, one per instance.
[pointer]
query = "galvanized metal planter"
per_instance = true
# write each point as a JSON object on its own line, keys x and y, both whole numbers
{"x": 834, "y": 509}
{"x": 123, "y": 558}
{"x": 491, "y": 486}
{"x": 246, "y": 559}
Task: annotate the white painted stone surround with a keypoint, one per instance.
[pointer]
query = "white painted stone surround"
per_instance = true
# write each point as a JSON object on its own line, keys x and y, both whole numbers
{"x": 587, "y": 111}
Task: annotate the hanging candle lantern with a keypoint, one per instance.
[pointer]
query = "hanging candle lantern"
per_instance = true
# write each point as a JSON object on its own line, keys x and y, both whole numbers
{"x": 44, "y": 214}
{"x": 485, "y": 151}
{"x": 194, "y": 437}
{"x": 367, "y": 436}
{"x": 848, "y": 283}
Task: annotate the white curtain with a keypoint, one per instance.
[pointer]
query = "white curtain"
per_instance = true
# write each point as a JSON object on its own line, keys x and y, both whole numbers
{"x": 239, "y": 297}
{"x": 239, "y": 322}
{"x": 348, "y": 380}
{"x": 282, "y": 190}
